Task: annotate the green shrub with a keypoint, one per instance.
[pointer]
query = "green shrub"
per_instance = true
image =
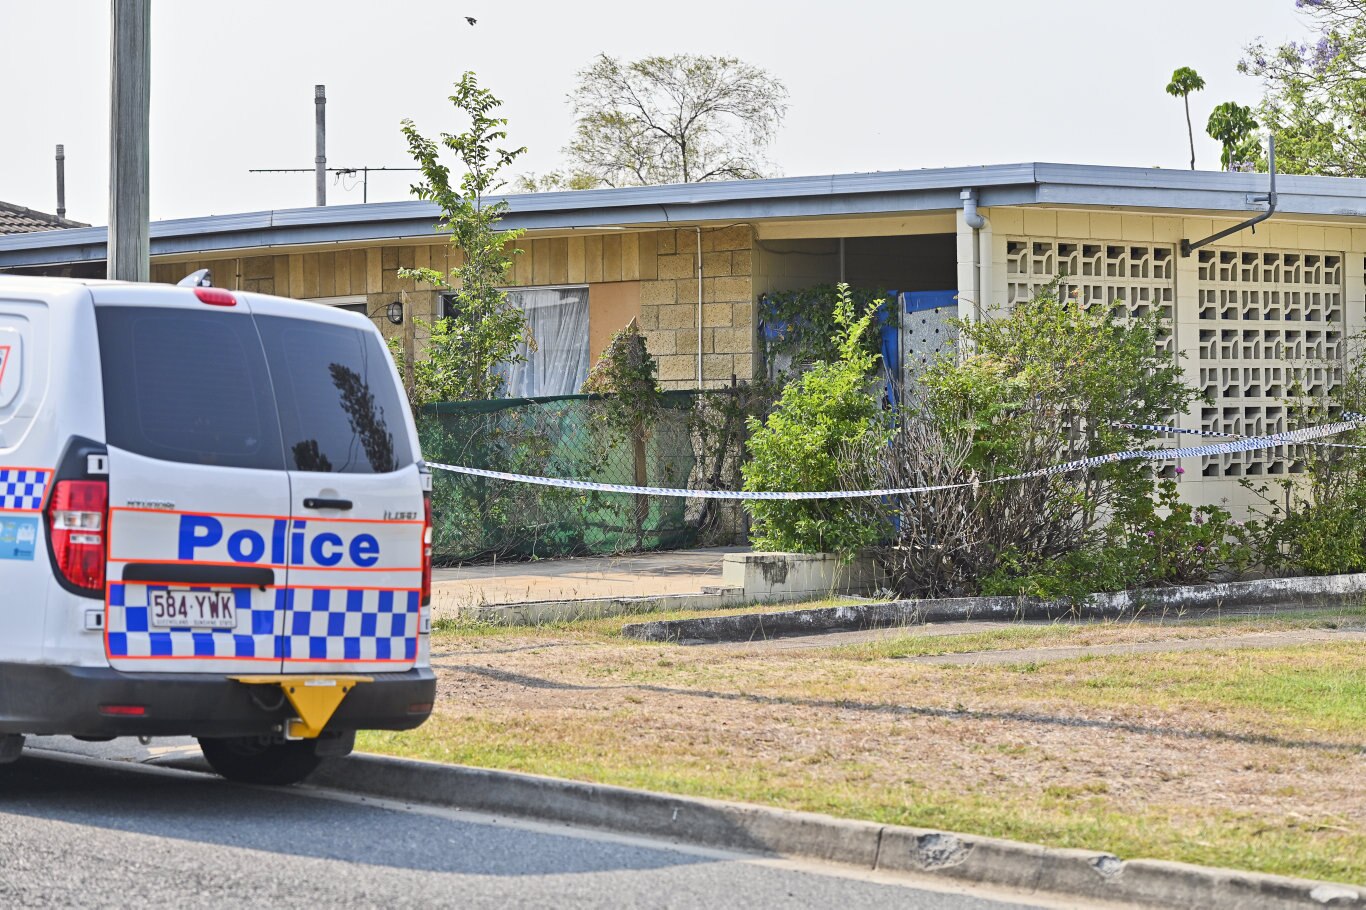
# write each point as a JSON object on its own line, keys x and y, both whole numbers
{"x": 808, "y": 327}
{"x": 1315, "y": 523}
{"x": 823, "y": 421}
{"x": 1042, "y": 384}
{"x": 1160, "y": 541}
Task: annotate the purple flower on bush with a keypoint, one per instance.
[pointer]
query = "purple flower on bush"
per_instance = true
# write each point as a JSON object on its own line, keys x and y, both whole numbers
{"x": 1199, "y": 548}
{"x": 1151, "y": 535}
{"x": 1180, "y": 470}
{"x": 1199, "y": 519}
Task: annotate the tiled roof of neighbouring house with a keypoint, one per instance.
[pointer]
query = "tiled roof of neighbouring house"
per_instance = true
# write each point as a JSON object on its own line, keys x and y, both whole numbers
{"x": 15, "y": 219}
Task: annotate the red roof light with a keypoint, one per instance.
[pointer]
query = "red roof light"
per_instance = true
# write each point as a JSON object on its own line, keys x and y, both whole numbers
{"x": 215, "y": 297}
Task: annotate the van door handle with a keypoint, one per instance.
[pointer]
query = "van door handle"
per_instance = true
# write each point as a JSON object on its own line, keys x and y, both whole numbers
{"x": 342, "y": 505}
{"x": 191, "y": 574}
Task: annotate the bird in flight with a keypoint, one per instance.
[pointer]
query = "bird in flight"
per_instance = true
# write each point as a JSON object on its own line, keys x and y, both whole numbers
{"x": 471, "y": 20}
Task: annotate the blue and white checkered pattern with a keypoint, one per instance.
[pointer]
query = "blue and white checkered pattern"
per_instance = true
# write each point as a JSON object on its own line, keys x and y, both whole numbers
{"x": 23, "y": 490}
{"x": 326, "y": 625}
{"x": 131, "y": 634}
{"x": 319, "y": 625}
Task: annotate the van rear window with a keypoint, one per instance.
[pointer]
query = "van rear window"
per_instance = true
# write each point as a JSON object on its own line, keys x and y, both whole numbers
{"x": 187, "y": 386}
{"x": 340, "y": 409}
{"x": 245, "y": 391}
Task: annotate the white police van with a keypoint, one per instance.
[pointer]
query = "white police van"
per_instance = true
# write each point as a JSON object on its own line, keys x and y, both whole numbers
{"x": 214, "y": 521}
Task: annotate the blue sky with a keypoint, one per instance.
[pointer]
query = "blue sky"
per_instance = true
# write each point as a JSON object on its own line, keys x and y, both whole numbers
{"x": 874, "y": 85}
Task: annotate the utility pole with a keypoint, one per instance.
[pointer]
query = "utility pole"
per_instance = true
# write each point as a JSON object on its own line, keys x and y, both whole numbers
{"x": 61, "y": 181}
{"x": 130, "y": 68}
{"x": 320, "y": 157}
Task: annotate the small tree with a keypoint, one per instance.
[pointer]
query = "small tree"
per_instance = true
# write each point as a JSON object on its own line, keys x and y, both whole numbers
{"x": 1184, "y": 81}
{"x": 681, "y": 119}
{"x": 826, "y": 419}
{"x": 625, "y": 374}
{"x": 482, "y": 329}
{"x": 1232, "y": 125}
{"x": 1315, "y": 91}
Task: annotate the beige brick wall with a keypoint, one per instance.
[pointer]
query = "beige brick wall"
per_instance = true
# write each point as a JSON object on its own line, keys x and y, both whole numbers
{"x": 663, "y": 262}
{"x": 370, "y": 271}
{"x": 669, "y": 306}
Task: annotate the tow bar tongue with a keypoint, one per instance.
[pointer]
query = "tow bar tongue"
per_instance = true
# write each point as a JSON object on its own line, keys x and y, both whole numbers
{"x": 314, "y": 698}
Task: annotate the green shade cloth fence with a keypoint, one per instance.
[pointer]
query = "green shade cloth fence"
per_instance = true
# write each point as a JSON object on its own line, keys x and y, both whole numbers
{"x": 571, "y": 436}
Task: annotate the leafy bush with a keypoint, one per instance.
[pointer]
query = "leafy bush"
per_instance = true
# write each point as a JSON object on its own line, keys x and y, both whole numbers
{"x": 626, "y": 375}
{"x": 1161, "y": 541}
{"x": 826, "y": 417}
{"x": 802, "y": 325}
{"x": 1045, "y": 383}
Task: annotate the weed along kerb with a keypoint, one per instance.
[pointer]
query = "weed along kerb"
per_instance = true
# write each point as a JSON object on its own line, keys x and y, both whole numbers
{"x": 213, "y": 522}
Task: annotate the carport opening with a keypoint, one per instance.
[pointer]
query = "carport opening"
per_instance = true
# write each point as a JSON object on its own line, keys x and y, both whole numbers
{"x": 921, "y": 262}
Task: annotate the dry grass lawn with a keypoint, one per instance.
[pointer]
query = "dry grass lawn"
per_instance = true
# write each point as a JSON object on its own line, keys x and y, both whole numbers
{"x": 1252, "y": 758}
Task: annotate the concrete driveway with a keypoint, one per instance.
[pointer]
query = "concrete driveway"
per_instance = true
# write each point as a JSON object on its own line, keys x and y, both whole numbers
{"x": 634, "y": 575}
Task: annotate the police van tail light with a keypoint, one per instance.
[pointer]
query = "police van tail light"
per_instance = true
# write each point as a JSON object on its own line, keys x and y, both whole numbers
{"x": 77, "y": 515}
{"x": 426, "y": 548}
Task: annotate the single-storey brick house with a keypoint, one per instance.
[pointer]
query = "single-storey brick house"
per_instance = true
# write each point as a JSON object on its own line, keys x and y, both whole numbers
{"x": 1253, "y": 313}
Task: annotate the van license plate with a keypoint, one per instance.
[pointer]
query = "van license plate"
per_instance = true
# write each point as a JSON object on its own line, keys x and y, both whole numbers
{"x": 178, "y": 608}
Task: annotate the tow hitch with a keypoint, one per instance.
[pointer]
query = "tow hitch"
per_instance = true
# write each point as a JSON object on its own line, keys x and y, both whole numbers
{"x": 314, "y": 698}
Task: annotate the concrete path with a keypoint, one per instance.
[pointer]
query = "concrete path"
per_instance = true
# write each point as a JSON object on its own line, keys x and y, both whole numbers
{"x": 864, "y": 636}
{"x": 635, "y": 575}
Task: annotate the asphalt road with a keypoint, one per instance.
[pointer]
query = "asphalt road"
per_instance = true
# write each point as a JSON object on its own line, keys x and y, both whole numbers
{"x": 78, "y": 830}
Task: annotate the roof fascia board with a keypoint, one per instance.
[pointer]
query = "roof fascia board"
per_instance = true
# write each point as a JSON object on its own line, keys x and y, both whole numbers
{"x": 1214, "y": 191}
{"x": 850, "y": 195}
{"x": 1148, "y": 198}
{"x": 250, "y": 232}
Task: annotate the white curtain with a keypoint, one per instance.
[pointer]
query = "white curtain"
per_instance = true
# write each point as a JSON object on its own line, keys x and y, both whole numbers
{"x": 558, "y": 320}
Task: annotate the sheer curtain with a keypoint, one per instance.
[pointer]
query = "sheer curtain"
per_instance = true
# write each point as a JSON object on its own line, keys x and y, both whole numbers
{"x": 558, "y": 320}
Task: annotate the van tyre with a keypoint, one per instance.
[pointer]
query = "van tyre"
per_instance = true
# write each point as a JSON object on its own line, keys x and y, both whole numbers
{"x": 259, "y": 760}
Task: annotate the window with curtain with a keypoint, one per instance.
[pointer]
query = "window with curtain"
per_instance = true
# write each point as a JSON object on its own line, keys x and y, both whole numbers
{"x": 557, "y": 319}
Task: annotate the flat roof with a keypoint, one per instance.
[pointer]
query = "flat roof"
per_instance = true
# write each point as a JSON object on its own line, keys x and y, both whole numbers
{"x": 737, "y": 201}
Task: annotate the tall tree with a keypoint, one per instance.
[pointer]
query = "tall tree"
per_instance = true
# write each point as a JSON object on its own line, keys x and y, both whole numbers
{"x": 680, "y": 119}
{"x": 1232, "y": 125}
{"x": 1315, "y": 91}
{"x": 1184, "y": 81}
{"x": 483, "y": 329}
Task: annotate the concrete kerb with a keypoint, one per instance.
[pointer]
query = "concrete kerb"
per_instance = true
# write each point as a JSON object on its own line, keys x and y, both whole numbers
{"x": 1229, "y": 595}
{"x": 762, "y": 830}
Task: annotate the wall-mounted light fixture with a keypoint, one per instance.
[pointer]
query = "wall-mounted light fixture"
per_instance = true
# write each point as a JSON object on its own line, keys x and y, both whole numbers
{"x": 395, "y": 312}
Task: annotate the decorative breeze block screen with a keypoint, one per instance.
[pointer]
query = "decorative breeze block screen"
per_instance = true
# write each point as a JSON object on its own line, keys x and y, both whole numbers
{"x": 1135, "y": 279}
{"x": 1271, "y": 326}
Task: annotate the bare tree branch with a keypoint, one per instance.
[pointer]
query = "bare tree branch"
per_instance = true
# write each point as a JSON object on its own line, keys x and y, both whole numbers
{"x": 680, "y": 119}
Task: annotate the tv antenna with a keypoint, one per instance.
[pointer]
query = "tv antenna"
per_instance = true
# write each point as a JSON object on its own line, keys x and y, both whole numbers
{"x": 339, "y": 171}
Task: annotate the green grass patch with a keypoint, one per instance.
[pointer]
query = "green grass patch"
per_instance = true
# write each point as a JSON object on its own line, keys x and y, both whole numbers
{"x": 1248, "y": 758}
{"x": 922, "y": 641}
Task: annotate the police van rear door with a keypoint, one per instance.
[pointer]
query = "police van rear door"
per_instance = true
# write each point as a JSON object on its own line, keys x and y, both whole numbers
{"x": 198, "y": 492}
{"x": 356, "y": 535}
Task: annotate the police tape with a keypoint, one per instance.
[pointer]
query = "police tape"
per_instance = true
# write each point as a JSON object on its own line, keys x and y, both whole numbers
{"x": 1179, "y": 431}
{"x": 1249, "y": 444}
